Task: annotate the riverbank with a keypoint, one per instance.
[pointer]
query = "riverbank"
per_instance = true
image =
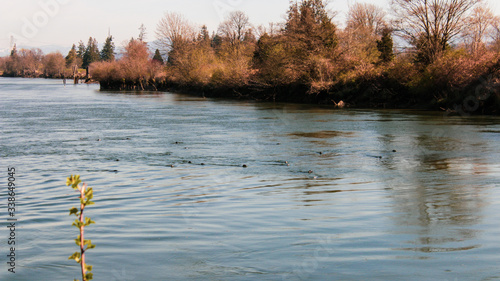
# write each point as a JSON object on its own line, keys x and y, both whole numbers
{"x": 480, "y": 97}
{"x": 456, "y": 82}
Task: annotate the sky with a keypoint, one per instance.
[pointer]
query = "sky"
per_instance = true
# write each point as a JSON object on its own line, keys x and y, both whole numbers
{"x": 57, "y": 24}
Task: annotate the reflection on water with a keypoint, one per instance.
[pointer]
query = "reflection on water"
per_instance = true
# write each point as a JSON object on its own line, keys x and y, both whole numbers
{"x": 435, "y": 186}
{"x": 188, "y": 188}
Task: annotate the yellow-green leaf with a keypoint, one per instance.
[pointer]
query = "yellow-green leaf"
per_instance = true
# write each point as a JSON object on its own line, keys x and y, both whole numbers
{"x": 73, "y": 180}
{"x": 88, "y": 221}
{"x": 76, "y": 256}
{"x": 78, "y": 223}
{"x": 73, "y": 211}
{"x": 89, "y": 276}
{"x": 88, "y": 267}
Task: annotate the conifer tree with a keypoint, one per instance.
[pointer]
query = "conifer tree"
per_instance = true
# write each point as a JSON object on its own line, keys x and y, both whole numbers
{"x": 91, "y": 53}
{"x": 13, "y": 53}
{"x": 310, "y": 25}
{"x": 71, "y": 58}
{"x": 216, "y": 41}
{"x": 204, "y": 36}
{"x": 385, "y": 46}
{"x": 157, "y": 57}
{"x": 81, "y": 50}
{"x": 108, "y": 50}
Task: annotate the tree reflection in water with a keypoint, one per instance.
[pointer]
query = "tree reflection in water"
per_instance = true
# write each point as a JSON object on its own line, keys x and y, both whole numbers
{"x": 437, "y": 186}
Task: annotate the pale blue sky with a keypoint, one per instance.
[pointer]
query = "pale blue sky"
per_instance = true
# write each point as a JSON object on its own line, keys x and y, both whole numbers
{"x": 37, "y": 23}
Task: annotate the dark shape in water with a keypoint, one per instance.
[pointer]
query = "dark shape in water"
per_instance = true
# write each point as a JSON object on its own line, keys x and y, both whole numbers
{"x": 323, "y": 134}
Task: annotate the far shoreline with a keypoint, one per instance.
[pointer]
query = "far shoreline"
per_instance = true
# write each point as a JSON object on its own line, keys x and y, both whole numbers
{"x": 294, "y": 94}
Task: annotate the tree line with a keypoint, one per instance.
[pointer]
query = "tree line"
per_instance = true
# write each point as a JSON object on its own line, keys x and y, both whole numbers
{"x": 446, "y": 50}
{"x": 34, "y": 63}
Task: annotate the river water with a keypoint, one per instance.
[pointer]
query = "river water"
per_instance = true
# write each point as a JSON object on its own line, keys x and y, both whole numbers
{"x": 326, "y": 194}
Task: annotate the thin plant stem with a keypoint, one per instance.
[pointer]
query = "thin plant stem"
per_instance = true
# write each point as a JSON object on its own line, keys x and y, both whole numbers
{"x": 82, "y": 207}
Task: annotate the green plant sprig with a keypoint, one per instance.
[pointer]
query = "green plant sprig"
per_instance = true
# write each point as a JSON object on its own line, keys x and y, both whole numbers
{"x": 86, "y": 194}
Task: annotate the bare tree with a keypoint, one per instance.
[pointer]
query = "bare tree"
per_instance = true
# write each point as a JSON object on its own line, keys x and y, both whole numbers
{"x": 31, "y": 61}
{"x": 479, "y": 25}
{"x": 174, "y": 31}
{"x": 272, "y": 29}
{"x": 366, "y": 17}
{"x": 234, "y": 28}
{"x": 365, "y": 23}
{"x": 495, "y": 34}
{"x": 142, "y": 33}
{"x": 430, "y": 25}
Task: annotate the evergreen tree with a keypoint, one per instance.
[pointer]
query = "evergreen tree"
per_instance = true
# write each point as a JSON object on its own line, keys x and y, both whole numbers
{"x": 250, "y": 37}
{"x": 108, "y": 51}
{"x": 385, "y": 46}
{"x": 204, "y": 36}
{"x": 157, "y": 57}
{"x": 308, "y": 39}
{"x": 81, "y": 50}
{"x": 91, "y": 53}
{"x": 216, "y": 41}
{"x": 142, "y": 33}
{"x": 310, "y": 26}
{"x": 71, "y": 58}
{"x": 13, "y": 53}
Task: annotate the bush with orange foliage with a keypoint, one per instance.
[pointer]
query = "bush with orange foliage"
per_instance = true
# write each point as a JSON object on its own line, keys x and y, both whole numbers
{"x": 135, "y": 71}
{"x": 193, "y": 65}
{"x": 54, "y": 65}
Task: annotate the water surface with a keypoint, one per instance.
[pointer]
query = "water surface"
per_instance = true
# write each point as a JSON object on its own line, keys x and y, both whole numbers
{"x": 326, "y": 194}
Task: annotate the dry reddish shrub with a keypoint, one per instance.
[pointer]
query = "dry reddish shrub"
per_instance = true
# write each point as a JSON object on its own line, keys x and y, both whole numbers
{"x": 457, "y": 69}
{"x": 134, "y": 70}
{"x": 194, "y": 66}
